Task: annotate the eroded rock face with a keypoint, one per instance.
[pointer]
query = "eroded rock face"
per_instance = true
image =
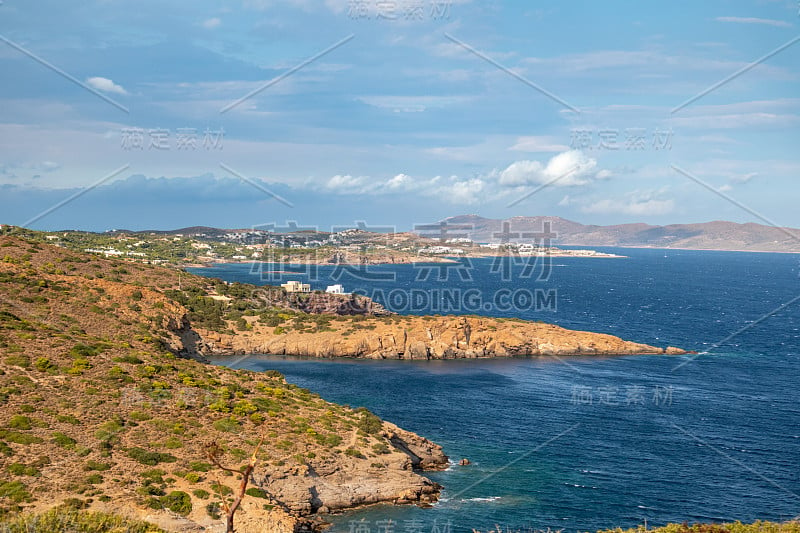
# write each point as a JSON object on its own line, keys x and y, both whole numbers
{"x": 336, "y": 304}
{"x": 409, "y": 337}
{"x": 347, "y": 482}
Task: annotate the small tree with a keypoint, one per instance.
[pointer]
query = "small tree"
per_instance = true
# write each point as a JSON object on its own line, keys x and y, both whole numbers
{"x": 214, "y": 452}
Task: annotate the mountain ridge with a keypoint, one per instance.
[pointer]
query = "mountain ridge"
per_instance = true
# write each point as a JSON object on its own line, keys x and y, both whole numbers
{"x": 713, "y": 235}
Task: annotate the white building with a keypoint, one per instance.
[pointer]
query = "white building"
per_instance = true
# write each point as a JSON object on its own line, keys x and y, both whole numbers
{"x": 335, "y": 289}
{"x": 296, "y": 286}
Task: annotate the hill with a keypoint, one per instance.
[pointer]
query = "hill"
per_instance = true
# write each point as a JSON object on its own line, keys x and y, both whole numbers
{"x": 717, "y": 235}
{"x": 108, "y": 402}
{"x": 100, "y": 409}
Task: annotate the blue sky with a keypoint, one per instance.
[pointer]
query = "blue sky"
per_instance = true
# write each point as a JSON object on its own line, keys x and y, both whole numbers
{"x": 397, "y": 112}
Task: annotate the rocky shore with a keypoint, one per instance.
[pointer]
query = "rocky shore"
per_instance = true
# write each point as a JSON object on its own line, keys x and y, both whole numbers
{"x": 411, "y": 337}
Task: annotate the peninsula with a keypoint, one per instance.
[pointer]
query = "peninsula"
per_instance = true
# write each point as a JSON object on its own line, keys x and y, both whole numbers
{"x": 108, "y": 403}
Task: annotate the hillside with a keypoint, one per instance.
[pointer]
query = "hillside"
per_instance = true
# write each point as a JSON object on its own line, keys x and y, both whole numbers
{"x": 108, "y": 402}
{"x": 717, "y": 235}
{"x": 100, "y": 410}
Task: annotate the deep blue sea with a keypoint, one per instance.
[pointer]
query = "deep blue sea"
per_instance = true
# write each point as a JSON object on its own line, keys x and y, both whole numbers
{"x": 588, "y": 443}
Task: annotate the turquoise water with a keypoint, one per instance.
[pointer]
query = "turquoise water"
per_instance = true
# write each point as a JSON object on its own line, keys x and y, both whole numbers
{"x": 590, "y": 443}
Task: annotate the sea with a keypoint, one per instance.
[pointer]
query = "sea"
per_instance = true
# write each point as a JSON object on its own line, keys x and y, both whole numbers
{"x": 584, "y": 443}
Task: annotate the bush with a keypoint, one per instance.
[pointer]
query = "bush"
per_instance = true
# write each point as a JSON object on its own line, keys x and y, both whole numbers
{"x": 199, "y": 466}
{"x": 229, "y": 425}
{"x": 352, "y": 452}
{"x": 94, "y": 479}
{"x": 192, "y": 477}
{"x": 96, "y": 465}
{"x": 20, "y": 438}
{"x": 43, "y": 364}
{"x": 177, "y": 501}
{"x": 130, "y": 359}
{"x": 22, "y": 361}
{"x": 150, "y": 458}
{"x": 368, "y": 422}
{"x": 5, "y": 449}
{"x": 201, "y": 493}
{"x": 213, "y": 510}
{"x": 20, "y": 422}
{"x": 19, "y": 469}
{"x": 67, "y": 519}
{"x": 70, "y": 419}
{"x": 221, "y": 489}
{"x": 15, "y": 491}
{"x": 63, "y": 440}
{"x": 257, "y": 493}
{"x": 380, "y": 448}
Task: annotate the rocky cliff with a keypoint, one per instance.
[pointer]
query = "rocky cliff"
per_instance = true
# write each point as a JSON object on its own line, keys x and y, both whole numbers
{"x": 407, "y": 337}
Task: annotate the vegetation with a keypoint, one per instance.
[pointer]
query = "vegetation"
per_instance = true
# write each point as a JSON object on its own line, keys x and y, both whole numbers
{"x": 214, "y": 453}
{"x": 107, "y": 395}
{"x": 66, "y": 520}
{"x": 732, "y": 527}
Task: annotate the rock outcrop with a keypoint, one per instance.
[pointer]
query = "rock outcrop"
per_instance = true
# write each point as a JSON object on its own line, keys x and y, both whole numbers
{"x": 411, "y": 337}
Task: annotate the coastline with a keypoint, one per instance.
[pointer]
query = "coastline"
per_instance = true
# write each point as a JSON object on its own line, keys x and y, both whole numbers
{"x": 418, "y": 338}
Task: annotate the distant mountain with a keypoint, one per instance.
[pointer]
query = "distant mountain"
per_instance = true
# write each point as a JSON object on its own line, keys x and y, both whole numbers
{"x": 717, "y": 235}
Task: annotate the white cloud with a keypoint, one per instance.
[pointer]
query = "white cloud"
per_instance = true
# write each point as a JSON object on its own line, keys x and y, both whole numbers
{"x": 725, "y": 188}
{"x": 105, "y": 85}
{"x": 462, "y": 191}
{"x": 754, "y": 20}
{"x": 211, "y": 23}
{"x": 400, "y": 181}
{"x": 639, "y": 203}
{"x": 346, "y": 183}
{"x": 538, "y": 144}
{"x": 567, "y": 169}
{"x": 566, "y": 201}
{"x": 411, "y": 104}
{"x": 745, "y": 178}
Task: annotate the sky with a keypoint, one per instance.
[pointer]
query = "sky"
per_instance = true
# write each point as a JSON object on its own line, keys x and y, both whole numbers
{"x": 240, "y": 113}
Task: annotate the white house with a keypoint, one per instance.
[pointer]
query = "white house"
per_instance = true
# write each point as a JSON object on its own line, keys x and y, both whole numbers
{"x": 335, "y": 289}
{"x": 296, "y": 286}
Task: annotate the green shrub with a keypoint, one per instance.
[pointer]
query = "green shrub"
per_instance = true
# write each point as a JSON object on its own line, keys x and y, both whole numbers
{"x": 20, "y": 438}
{"x": 19, "y": 469}
{"x": 5, "y": 449}
{"x": 192, "y": 477}
{"x": 94, "y": 479}
{"x": 368, "y": 422}
{"x": 139, "y": 416}
{"x": 96, "y": 465}
{"x": 229, "y": 425}
{"x": 219, "y": 488}
{"x": 173, "y": 443}
{"x": 131, "y": 359}
{"x": 201, "y": 493}
{"x": 352, "y": 452}
{"x": 213, "y": 510}
{"x": 199, "y": 466}
{"x": 257, "y": 493}
{"x": 380, "y": 448}
{"x": 177, "y": 501}
{"x": 69, "y": 519}
{"x": 15, "y": 491}
{"x": 150, "y": 458}
{"x": 20, "y": 422}
{"x": 43, "y": 364}
{"x": 63, "y": 440}
{"x": 22, "y": 361}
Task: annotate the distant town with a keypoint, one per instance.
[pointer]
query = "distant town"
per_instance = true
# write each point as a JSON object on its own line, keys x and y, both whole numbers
{"x": 203, "y": 246}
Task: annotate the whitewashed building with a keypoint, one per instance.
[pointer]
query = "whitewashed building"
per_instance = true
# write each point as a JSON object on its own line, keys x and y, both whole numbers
{"x": 335, "y": 289}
